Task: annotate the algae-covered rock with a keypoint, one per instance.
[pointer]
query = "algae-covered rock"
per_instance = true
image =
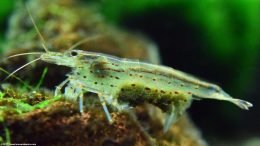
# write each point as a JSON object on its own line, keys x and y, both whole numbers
{"x": 33, "y": 115}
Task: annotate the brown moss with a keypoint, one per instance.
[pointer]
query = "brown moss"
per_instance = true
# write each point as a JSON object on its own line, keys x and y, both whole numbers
{"x": 62, "y": 124}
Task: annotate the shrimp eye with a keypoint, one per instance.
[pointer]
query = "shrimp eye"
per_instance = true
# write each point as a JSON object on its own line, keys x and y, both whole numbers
{"x": 73, "y": 53}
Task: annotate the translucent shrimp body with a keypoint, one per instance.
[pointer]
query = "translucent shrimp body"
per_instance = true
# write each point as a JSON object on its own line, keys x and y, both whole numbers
{"x": 121, "y": 82}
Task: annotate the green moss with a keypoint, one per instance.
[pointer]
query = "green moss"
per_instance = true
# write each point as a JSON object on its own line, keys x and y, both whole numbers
{"x": 14, "y": 101}
{"x": 1, "y": 95}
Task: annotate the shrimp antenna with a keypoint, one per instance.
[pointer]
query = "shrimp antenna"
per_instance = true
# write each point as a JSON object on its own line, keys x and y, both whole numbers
{"x": 23, "y": 54}
{"x": 17, "y": 78}
{"x": 22, "y": 67}
{"x": 84, "y": 41}
{"x": 36, "y": 28}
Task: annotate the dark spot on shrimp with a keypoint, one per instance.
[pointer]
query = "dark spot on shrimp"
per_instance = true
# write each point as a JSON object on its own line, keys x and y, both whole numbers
{"x": 169, "y": 82}
{"x": 133, "y": 85}
{"x": 189, "y": 93}
{"x": 98, "y": 67}
{"x": 162, "y": 91}
{"x": 140, "y": 76}
{"x": 148, "y": 89}
{"x": 78, "y": 73}
{"x": 176, "y": 92}
{"x": 84, "y": 77}
{"x": 154, "y": 79}
{"x": 130, "y": 74}
{"x": 111, "y": 85}
{"x": 117, "y": 78}
{"x": 114, "y": 64}
{"x": 182, "y": 85}
{"x": 95, "y": 82}
{"x": 122, "y": 89}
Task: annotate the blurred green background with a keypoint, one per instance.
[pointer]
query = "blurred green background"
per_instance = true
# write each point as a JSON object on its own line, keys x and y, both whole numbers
{"x": 6, "y": 7}
{"x": 216, "y": 40}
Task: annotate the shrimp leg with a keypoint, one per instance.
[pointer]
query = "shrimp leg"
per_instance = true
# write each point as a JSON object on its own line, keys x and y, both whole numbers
{"x": 170, "y": 118}
{"x": 103, "y": 103}
{"x": 73, "y": 91}
{"x": 58, "y": 88}
{"x": 81, "y": 102}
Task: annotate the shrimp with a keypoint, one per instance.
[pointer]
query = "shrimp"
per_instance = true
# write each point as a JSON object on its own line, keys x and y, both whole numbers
{"x": 121, "y": 83}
